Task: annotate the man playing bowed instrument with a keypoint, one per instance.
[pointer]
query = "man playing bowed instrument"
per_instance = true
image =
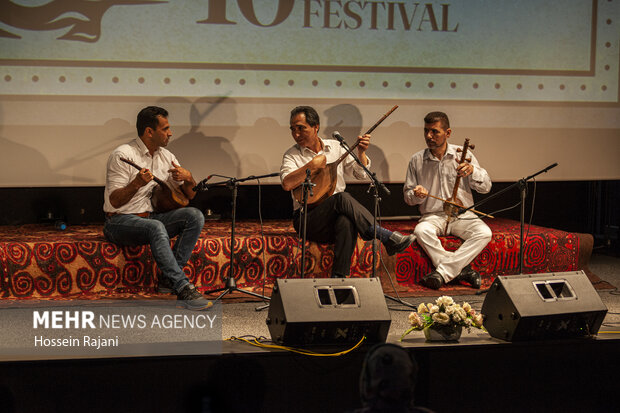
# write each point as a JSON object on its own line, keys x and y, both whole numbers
{"x": 433, "y": 171}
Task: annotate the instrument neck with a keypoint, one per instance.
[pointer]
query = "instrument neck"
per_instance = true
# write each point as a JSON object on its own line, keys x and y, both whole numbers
{"x": 368, "y": 132}
{"x": 458, "y": 177}
{"x": 456, "y": 187}
{"x": 139, "y": 168}
{"x": 344, "y": 155}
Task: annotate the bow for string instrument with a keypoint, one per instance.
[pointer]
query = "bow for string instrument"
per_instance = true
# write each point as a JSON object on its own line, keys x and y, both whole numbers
{"x": 166, "y": 197}
{"x": 325, "y": 179}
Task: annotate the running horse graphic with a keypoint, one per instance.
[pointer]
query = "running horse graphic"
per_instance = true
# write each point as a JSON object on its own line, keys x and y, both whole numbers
{"x": 81, "y": 17}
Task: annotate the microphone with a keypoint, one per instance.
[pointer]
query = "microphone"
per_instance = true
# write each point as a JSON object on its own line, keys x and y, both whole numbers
{"x": 263, "y": 176}
{"x": 338, "y": 136}
{"x": 200, "y": 186}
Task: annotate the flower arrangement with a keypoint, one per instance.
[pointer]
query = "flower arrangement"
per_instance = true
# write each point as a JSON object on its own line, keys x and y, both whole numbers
{"x": 445, "y": 313}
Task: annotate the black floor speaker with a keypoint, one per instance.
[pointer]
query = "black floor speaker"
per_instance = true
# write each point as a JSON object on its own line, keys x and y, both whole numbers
{"x": 542, "y": 306}
{"x": 327, "y": 311}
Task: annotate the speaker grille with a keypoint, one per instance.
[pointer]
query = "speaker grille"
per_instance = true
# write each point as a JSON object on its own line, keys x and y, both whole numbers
{"x": 542, "y": 306}
{"x": 328, "y": 311}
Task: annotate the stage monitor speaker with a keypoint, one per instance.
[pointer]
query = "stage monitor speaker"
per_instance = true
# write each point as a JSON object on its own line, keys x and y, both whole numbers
{"x": 331, "y": 311}
{"x": 542, "y": 306}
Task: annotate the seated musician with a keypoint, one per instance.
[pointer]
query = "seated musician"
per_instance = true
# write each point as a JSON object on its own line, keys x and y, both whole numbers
{"x": 433, "y": 171}
{"x": 339, "y": 219}
{"x": 130, "y": 218}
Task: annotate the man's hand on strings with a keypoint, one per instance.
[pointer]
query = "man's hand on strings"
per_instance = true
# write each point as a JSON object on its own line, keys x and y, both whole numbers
{"x": 180, "y": 174}
{"x": 144, "y": 177}
{"x": 318, "y": 162}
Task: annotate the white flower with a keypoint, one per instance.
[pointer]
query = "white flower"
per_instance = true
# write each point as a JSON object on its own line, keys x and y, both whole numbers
{"x": 461, "y": 312}
{"x": 412, "y": 316}
{"x": 445, "y": 301}
{"x": 467, "y": 308}
{"x": 444, "y": 312}
{"x": 441, "y": 318}
{"x": 415, "y": 320}
{"x": 451, "y": 309}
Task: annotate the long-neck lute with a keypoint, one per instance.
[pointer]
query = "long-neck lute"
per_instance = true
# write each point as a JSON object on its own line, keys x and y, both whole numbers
{"x": 166, "y": 196}
{"x": 325, "y": 179}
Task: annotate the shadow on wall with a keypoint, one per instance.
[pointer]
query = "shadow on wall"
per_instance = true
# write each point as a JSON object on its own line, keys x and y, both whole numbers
{"x": 104, "y": 141}
{"x": 347, "y": 119}
{"x": 84, "y": 151}
{"x": 266, "y": 133}
{"x": 205, "y": 154}
{"x": 22, "y": 165}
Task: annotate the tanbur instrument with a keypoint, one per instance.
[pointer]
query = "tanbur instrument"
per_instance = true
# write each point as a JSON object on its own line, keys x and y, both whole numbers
{"x": 325, "y": 178}
{"x": 165, "y": 196}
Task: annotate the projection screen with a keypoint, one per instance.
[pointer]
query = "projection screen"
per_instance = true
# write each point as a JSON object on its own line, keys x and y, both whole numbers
{"x": 529, "y": 82}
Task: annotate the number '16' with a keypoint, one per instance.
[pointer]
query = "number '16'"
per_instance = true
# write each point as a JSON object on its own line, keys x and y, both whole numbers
{"x": 217, "y": 12}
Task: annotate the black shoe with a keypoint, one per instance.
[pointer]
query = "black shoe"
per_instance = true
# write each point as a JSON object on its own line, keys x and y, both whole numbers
{"x": 398, "y": 242}
{"x": 432, "y": 280}
{"x": 470, "y": 276}
{"x": 164, "y": 285}
{"x": 191, "y": 299}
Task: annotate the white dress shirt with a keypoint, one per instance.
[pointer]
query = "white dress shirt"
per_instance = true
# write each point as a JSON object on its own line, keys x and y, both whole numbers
{"x": 119, "y": 174}
{"x": 298, "y": 156}
{"x": 439, "y": 176}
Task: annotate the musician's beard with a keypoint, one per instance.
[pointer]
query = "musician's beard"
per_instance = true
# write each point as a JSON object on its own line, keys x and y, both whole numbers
{"x": 433, "y": 144}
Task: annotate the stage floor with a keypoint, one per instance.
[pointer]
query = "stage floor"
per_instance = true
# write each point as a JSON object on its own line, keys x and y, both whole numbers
{"x": 242, "y": 318}
{"x": 479, "y": 373}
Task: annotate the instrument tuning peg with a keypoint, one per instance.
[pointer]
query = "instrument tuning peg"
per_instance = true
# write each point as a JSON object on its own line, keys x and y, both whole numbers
{"x": 472, "y": 147}
{"x": 459, "y": 150}
{"x": 468, "y": 159}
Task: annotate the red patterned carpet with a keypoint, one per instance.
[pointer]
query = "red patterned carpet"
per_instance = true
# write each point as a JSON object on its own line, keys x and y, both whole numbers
{"x": 38, "y": 261}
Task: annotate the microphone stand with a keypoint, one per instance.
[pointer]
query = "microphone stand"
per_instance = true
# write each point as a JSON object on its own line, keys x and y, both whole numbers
{"x": 230, "y": 284}
{"x": 375, "y": 184}
{"x": 307, "y": 190}
{"x": 522, "y": 184}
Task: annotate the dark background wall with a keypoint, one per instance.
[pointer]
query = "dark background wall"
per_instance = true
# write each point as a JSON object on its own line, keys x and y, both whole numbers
{"x": 576, "y": 206}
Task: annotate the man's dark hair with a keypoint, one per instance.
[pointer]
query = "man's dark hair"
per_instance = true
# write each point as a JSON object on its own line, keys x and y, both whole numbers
{"x": 438, "y": 117}
{"x": 312, "y": 118}
{"x": 147, "y": 118}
